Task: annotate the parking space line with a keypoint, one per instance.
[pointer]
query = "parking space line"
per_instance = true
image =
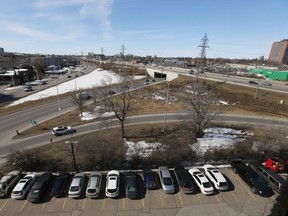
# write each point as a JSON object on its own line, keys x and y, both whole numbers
{"x": 43, "y": 206}
{"x": 217, "y": 198}
{"x": 83, "y": 205}
{"x": 244, "y": 186}
{"x": 103, "y": 204}
{"x": 180, "y": 199}
{"x": 199, "y": 199}
{"x": 235, "y": 197}
{"x": 4, "y": 204}
{"x": 143, "y": 204}
{"x": 25, "y": 203}
{"x": 123, "y": 204}
{"x": 161, "y": 198}
{"x": 64, "y": 203}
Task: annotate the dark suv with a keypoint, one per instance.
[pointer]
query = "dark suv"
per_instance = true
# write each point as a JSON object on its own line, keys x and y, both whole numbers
{"x": 251, "y": 177}
{"x": 39, "y": 187}
{"x": 183, "y": 179}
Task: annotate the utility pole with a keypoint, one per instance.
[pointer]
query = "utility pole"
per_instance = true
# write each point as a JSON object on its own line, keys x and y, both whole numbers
{"x": 203, "y": 45}
{"x": 72, "y": 152}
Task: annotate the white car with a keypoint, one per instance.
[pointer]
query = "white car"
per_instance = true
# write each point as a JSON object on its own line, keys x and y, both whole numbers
{"x": 94, "y": 183}
{"x": 23, "y": 186}
{"x": 76, "y": 185}
{"x": 8, "y": 181}
{"x": 112, "y": 184}
{"x": 202, "y": 181}
{"x": 62, "y": 130}
{"x": 216, "y": 177}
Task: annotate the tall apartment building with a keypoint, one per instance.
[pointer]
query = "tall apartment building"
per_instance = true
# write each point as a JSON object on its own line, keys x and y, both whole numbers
{"x": 279, "y": 52}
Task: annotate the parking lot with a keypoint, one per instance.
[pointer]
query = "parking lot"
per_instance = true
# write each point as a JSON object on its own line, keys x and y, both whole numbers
{"x": 238, "y": 199}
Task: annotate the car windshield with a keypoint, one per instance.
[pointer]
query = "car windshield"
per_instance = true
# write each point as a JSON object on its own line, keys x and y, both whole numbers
{"x": 167, "y": 181}
{"x": 206, "y": 185}
{"x": 91, "y": 191}
{"x": 74, "y": 188}
{"x": 131, "y": 188}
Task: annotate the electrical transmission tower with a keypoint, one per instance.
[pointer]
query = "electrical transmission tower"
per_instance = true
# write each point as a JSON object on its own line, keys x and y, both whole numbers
{"x": 203, "y": 45}
{"x": 123, "y": 51}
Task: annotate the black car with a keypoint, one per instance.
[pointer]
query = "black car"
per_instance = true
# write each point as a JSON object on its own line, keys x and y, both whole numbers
{"x": 60, "y": 184}
{"x": 150, "y": 179}
{"x": 184, "y": 180}
{"x": 39, "y": 187}
{"x": 253, "y": 82}
{"x": 131, "y": 185}
{"x": 251, "y": 177}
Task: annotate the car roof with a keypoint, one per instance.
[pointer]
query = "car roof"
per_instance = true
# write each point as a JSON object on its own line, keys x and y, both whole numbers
{"x": 113, "y": 172}
{"x": 23, "y": 181}
{"x": 165, "y": 171}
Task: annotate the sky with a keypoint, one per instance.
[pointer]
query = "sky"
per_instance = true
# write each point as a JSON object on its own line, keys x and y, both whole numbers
{"x": 166, "y": 28}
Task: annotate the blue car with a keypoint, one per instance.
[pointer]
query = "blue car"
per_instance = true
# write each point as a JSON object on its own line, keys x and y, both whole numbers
{"x": 150, "y": 179}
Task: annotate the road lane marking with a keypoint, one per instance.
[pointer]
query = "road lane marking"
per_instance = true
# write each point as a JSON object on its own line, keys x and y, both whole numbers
{"x": 4, "y": 204}
{"x": 161, "y": 198}
{"x": 103, "y": 205}
{"x": 235, "y": 197}
{"x": 64, "y": 203}
{"x": 143, "y": 204}
{"x": 180, "y": 198}
{"x": 244, "y": 187}
{"x": 25, "y": 203}
{"x": 199, "y": 199}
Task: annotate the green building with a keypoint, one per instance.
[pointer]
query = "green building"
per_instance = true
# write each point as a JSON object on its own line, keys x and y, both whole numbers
{"x": 271, "y": 74}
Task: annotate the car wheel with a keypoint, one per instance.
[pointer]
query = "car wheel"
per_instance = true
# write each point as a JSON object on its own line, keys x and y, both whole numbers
{"x": 254, "y": 190}
{"x": 235, "y": 170}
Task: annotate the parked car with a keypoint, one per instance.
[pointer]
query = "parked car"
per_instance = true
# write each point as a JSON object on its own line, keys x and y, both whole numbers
{"x": 131, "y": 185}
{"x": 166, "y": 180}
{"x": 76, "y": 185}
{"x": 274, "y": 179}
{"x": 251, "y": 177}
{"x": 28, "y": 88}
{"x": 253, "y": 82}
{"x": 112, "y": 184}
{"x": 60, "y": 184}
{"x": 150, "y": 179}
{"x": 39, "y": 187}
{"x": 184, "y": 179}
{"x": 94, "y": 183}
{"x": 216, "y": 177}
{"x": 23, "y": 186}
{"x": 8, "y": 182}
{"x": 266, "y": 83}
{"x": 62, "y": 130}
{"x": 111, "y": 92}
{"x": 202, "y": 181}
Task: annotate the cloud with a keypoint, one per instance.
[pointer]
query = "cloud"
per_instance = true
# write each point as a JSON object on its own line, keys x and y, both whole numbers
{"x": 34, "y": 33}
{"x": 99, "y": 10}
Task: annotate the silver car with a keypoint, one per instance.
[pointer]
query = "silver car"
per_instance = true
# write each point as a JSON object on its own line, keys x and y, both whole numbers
{"x": 8, "y": 181}
{"x": 94, "y": 183}
{"x": 76, "y": 185}
{"x": 166, "y": 180}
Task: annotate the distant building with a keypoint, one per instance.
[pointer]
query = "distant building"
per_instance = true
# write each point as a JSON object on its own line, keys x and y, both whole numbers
{"x": 1, "y": 50}
{"x": 54, "y": 60}
{"x": 279, "y": 52}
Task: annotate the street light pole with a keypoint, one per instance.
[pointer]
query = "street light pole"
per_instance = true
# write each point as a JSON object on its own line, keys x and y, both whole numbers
{"x": 166, "y": 106}
{"x": 73, "y": 153}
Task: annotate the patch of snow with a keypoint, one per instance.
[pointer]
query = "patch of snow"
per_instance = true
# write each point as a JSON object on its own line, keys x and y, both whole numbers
{"x": 215, "y": 138}
{"x": 96, "y": 113}
{"x": 141, "y": 149}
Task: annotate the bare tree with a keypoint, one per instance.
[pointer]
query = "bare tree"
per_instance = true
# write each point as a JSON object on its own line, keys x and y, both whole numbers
{"x": 201, "y": 104}
{"x": 119, "y": 99}
{"x": 79, "y": 101}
